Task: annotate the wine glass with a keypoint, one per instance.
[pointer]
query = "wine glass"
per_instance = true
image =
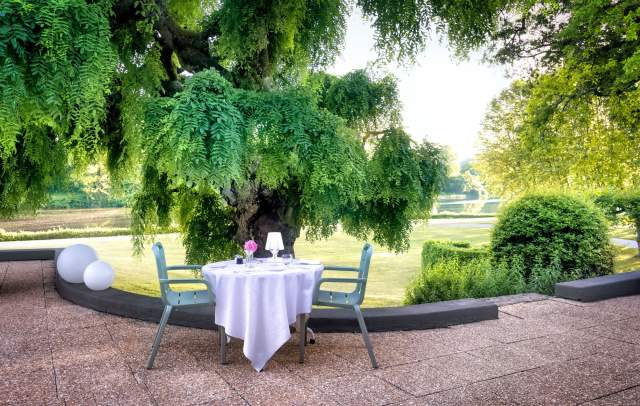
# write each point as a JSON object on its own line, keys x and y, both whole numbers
{"x": 287, "y": 258}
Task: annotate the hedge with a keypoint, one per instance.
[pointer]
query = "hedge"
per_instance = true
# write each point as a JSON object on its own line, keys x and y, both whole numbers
{"x": 436, "y": 251}
{"x": 60, "y": 233}
{"x": 451, "y": 278}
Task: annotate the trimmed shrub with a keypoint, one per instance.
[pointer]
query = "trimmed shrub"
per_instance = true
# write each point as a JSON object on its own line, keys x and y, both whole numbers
{"x": 451, "y": 278}
{"x": 538, "y": 241}
{"x": 436, "y": 251}
{"x": 554, "y": 238}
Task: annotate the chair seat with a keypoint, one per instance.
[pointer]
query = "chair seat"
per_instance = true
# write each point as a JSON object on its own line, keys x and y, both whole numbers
{"x": 331, "y": 298}
{"x": 188, "y": 298}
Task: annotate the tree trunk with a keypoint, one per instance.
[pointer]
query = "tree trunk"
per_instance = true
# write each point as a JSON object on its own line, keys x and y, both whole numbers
{"x": 260, "y": 211}
{"x": 273, "y": 218}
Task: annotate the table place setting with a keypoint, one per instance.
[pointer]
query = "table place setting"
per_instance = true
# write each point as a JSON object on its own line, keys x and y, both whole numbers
{"x": 259, "y": 298}
{"x": 262, "y": 265}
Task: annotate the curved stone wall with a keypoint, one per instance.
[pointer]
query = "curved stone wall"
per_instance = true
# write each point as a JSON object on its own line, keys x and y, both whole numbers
{"x": 127, "y": 304}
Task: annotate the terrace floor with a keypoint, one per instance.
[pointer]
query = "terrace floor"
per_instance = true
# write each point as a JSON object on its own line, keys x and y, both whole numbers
{"x": 545, "y": 352}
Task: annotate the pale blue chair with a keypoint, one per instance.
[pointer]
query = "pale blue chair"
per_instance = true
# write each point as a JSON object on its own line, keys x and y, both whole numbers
{"x": 352, "y": 299}
{"x": 172, "y": 299}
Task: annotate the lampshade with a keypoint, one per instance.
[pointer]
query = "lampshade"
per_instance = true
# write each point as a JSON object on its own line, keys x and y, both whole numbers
{"x": 274, "y": 242}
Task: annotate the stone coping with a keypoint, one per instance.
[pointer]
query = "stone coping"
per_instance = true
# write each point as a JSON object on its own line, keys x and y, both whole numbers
{"x": 41, "y": 254}
{"x": 417, "y": 317}
{"x": 127, "y": 304}
{"x": 601, "y": 287}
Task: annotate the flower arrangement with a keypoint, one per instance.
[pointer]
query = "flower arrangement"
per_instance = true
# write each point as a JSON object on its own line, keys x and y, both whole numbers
{"x": 250, "y": 246}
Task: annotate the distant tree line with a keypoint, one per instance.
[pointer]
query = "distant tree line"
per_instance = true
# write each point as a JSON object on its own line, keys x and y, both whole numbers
{"x": 464, "y": 180}
{"x": 91, "y": 189}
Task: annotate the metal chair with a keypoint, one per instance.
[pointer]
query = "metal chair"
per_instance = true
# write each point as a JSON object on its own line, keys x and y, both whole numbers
{"x": 349, "y": 300}
{"x": 173, "y": 299}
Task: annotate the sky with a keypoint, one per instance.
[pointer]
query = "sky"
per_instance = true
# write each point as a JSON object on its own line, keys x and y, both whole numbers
{"x": 443, "y": 99}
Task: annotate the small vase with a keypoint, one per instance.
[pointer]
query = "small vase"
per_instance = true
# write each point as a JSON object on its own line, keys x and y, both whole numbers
{"x": 249, "y": 259}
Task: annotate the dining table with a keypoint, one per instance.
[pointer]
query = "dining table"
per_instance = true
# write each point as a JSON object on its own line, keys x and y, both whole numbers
{"x": 259, "y": 301}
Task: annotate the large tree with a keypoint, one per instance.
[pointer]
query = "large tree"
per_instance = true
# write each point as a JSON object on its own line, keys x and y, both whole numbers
{"x": 573, "y": 119}
{"x": 577, "y": 149}
{"x": 221, "y": 108}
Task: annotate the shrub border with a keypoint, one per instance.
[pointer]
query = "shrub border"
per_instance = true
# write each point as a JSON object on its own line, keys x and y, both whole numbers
{"x": 132, "y": 305}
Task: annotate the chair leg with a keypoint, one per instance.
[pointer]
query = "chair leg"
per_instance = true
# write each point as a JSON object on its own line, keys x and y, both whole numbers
{"x": 312, "y": 340}
{"x": 305, "y": 331}
{"x": 156, "y": 342}
{"x": 222, "y": 338}
{"x": 365, "y": 336}
{"x": 302, "y": 333}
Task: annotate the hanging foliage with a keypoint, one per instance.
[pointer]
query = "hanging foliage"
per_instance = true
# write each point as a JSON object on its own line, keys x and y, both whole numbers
{"x": 219, "y": 108}
{"x": 56, "y": 67}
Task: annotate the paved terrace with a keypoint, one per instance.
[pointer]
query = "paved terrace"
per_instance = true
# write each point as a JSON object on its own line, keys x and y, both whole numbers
{"x": 544, "y": 352}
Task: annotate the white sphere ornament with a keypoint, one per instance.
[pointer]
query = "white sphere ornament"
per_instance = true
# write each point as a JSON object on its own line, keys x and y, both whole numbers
{"x": 73, "y": 260}
{"x": 98, "y": 275}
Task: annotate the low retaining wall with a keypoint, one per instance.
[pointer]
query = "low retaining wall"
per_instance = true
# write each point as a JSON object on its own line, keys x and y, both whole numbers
{"x": 29, "y": 255}
{"x": 600, "y": 288}
{"x": 127, "y": 304}
{"x": 417, "y": 317}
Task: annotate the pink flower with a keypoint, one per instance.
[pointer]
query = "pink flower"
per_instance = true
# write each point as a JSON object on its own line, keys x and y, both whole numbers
{"x": 250, "y": 246}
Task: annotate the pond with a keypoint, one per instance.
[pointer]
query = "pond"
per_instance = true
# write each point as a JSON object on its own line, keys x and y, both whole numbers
{"x": 480, "y": 206}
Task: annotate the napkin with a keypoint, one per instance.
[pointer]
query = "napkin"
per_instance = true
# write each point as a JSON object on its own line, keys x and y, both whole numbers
{"x": 273, "y": 266}
{"x": 307, "y": 262}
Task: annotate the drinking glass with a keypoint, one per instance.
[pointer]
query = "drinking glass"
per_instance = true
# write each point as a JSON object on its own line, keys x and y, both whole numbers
{"x": 249, "y": 259}
{"x": 287, "y": 258}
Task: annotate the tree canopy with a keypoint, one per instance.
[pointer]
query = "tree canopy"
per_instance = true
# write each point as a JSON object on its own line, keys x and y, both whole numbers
{"x": 572, "y": 121}
{"x": 277, "y": 156}
{"x": 221, "y": 108}
{"x": 622, "y": 207}
{"x": 580, "y": 149}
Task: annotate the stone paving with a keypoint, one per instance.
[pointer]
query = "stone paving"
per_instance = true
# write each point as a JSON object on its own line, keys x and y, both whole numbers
{"x": 549, "y": 351}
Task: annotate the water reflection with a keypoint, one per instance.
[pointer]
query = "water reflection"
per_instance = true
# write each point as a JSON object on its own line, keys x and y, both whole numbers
{"x": 479, "y": 206}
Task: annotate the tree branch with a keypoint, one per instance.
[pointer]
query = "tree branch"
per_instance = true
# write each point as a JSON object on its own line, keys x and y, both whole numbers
{"x": 191, "y": 47}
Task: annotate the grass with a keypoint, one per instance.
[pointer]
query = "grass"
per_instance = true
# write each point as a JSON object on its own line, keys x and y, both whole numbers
{"x": 389, "y": 273}
{"x": 69, "y": 218}
{"x": 627, "y": 259}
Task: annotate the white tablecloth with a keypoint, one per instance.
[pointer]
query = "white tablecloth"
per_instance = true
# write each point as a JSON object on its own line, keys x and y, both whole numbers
{"x": 258, "y": 304}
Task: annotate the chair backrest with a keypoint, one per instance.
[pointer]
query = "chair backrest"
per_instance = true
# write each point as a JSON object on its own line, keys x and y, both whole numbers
{"x": 363, "y": 272}
{"x": 161, "y": 265}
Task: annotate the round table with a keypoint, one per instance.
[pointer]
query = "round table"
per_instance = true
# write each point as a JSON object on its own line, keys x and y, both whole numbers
{"x": 258, "y": 304}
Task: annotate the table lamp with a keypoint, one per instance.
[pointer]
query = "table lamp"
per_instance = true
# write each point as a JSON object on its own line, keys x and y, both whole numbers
{"x": 274, "y": 244}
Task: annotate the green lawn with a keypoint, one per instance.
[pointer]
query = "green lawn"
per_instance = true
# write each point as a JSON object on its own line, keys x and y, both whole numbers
{"x": 627, "y": 259}
{"x": 68, "y": 219}
{"x": 388, "y": 276}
